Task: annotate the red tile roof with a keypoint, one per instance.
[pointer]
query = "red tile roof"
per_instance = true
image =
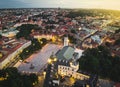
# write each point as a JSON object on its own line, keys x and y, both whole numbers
{"x": 117, "y": 85}
{"x": 9, "y": 51}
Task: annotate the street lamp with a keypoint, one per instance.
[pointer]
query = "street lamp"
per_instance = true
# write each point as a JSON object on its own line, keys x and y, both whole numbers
{"x": 21, "y": 51}
{"x": 79, "y": 28}
{"x": 55, "y": 59}
{"x": 33, "y": 44}
{"x": 68, "y": 41}
{"x": 44, "y": 74}
{"x": 27, "y": 51}
{"x": 52, "y": 58}
{"x": 1, "y": 55}
{"x": 41, "y": 42}
{"x": 49, "y": 61}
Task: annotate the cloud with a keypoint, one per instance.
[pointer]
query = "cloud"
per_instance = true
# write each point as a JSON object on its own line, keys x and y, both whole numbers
{"x": 27, "y": 3}
{"x": 107, "y": 4}
{"x": 42, "y": 3}
{"x": 12, "y": 4}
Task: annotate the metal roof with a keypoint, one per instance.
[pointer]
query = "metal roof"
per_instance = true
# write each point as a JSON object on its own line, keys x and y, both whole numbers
{"x": 65, "y": 53}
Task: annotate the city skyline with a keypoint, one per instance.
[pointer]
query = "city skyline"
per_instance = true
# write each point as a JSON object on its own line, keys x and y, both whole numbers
{"x": 102, "y": 4}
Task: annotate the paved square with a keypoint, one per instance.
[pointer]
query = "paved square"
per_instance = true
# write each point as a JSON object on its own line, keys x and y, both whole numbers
{"x": 38, "y": 60}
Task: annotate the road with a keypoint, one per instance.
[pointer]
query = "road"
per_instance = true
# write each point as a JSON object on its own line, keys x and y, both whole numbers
{"x": 39, "y": 59}
{"x": 88, "y": 36}
{"x": 47, "y": 77}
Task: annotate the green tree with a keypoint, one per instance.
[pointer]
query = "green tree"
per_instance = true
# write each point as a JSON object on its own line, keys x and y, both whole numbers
{"x": 72, "y": 39}
{"x": 15, "y": 79}
{"x": 73, "y": 31}
{"x": 115, "y": 71}
{"x": 25, "y": 30}
{"x": 89, "y": 63}
{"x": 97, "y": 60}
{"x": 117, "y": 31}
{"x": 44, "y": 41}
{"x": 0, "y": 36}
{"x": 34, "y": 78}
{"x": 117, "y": 42}
{"x": 37, "y": 44}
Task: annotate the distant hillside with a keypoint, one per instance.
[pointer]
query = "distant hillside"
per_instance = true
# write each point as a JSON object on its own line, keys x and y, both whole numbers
{"x": 93, "y": 12}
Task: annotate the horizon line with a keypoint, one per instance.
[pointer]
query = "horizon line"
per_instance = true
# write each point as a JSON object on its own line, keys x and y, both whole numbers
{"x": 54, "y": 8}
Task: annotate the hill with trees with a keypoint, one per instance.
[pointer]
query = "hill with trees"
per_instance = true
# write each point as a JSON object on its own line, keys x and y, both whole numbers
{"x": 93, "y": 13}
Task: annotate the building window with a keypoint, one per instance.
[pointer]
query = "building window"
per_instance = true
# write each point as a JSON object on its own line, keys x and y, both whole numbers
{"x": 63, "y": 67}
{"x": 68, "y": 68}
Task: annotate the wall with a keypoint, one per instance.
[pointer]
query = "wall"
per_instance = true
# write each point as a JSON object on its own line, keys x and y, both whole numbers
{"x": 14, "y": 54}
{"x": 69, "y": 71}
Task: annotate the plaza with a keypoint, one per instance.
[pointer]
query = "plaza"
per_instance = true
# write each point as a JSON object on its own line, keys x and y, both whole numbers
{"x": 38, "y": 61}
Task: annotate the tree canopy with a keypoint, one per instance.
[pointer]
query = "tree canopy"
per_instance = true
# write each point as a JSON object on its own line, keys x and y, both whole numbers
{"x": 14, "y": 79}
{"x": 0, "y": 36}
{"x": 25, "y": 30}
{"x": 36, "y": 45}
{"x": 99, "y": 61}
{"x": 93, "y": 12}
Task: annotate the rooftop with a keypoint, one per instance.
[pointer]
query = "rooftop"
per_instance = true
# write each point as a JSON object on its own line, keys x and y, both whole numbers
{"x": 65, "y": 53}
{"x": 11, "y": 46}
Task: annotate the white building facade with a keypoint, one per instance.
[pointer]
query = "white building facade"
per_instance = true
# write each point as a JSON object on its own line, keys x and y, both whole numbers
{"x": 13, "y": 55}
{"x": 71, "y": 72}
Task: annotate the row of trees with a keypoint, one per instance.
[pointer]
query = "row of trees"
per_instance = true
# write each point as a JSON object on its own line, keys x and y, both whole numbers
{"x": 24, "y": 31}
{"x": 72, "y": 39}
{"x": 12, "y": 78}
{"x": 99, "y": 61}
{"x": 36, "y": 45}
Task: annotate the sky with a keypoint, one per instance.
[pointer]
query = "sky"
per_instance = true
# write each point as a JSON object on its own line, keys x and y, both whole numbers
{"x": 103, "y": 4}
